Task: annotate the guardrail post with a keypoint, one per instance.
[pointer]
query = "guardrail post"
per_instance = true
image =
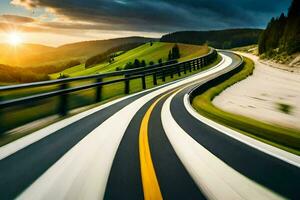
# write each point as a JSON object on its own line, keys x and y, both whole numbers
{"x": 184, "y": 68}
{"x": 198, "y": 64}
{"x": 63, "y": 104}
{"x": 178, "y": 70}
{"x": 190, "y": 66}
{"x": 154, "y": 79}
{"x": 127, "y": 86}
{"x": 194, "y": 65}
{"x": 98, "y": 90}
{"x": 171, "y": 72}
{"x": 163, "y": 76}
{"x": 144, "y": 81}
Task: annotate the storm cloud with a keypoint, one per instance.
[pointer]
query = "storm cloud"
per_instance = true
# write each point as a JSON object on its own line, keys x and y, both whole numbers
{"x": 158, "y": 15}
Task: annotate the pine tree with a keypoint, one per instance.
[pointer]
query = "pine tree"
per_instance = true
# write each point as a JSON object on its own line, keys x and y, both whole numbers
{"x": 143, "y": 63}
{"x": 175, "y": 52}
{"x": 291, "y": 38}
{"x": 160, "y": 61}
{"x": 170, "y": 57}
{"x": 136, "y": 63}
{"x": 282, "y": 32}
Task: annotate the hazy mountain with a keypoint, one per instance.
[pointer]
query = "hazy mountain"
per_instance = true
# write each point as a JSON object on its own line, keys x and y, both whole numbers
{"x": 224, "y": 39}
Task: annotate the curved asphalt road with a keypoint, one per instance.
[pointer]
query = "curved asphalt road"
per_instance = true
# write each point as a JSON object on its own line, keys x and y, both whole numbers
{"x": 148, "y": 145}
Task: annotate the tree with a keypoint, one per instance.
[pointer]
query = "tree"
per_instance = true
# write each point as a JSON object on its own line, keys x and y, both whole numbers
{"x": 282, "y": 33}
{"x": 160, "y": 61}
{"x": 291, "y": 38}
{"x": 136, "y": 63}
{"x": 170, "y": 57}
{"x": 128, "y": 65}
{"x": 151, "y": 63}
{"x": 119, "y": 68}
{"x": 175, "y": 52}
{"x": 143, "y": 63}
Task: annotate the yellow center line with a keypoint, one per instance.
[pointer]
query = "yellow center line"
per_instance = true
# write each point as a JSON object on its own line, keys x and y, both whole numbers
{"x": 149, "y": 180}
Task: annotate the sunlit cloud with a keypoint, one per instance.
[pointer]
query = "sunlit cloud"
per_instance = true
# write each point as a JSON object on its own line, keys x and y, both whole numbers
{"x": 72, "y": 18}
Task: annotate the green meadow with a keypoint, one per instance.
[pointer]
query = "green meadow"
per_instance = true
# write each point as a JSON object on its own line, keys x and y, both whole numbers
{"x": 147, "y": 52}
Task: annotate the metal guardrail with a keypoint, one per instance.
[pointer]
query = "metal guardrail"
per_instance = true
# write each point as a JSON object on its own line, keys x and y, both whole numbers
{"x": 197, "y": 90}
{"x": 126, "y": 76}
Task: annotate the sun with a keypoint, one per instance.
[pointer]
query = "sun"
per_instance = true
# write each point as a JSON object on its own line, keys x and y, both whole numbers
{"x": 14, "y": 38}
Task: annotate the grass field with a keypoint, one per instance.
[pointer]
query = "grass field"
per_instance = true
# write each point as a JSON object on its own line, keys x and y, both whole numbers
{"x": 21, "y": 115}
{"x": 159, "y": 50}
{"x": 281, "y": 137}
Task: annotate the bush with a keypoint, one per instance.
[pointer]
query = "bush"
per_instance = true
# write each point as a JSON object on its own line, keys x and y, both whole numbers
{"x": 128, "y": 65}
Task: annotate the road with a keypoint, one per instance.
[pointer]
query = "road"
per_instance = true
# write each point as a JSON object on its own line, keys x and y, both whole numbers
{"x": 149, "y": 145}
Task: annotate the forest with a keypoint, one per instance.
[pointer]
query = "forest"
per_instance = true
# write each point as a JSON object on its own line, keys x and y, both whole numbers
{"x": 282, "y": 33}
{"x": 223, "y": 39}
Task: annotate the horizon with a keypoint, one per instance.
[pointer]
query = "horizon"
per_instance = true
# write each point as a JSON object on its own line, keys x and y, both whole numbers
{"x": 130, "y": 36}
{"x": 54, "y": 24}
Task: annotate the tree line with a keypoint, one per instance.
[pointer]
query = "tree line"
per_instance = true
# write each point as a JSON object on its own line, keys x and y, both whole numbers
{"x": 282, "y": 33}
{"x": 224, "y": 39}
{"x": 173, "y": 55}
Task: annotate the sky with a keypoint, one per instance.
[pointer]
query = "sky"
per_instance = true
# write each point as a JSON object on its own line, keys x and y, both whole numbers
{"x": 57, "y": 22}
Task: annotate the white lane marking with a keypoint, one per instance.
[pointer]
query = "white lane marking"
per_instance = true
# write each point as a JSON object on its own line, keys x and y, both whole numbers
{"x": 29, "y": 139}
{"x": 263, "y": 147}
{"x": 215, "y": 178}
{"x": 25, "y": 141}
{"x": 83, "y": 171}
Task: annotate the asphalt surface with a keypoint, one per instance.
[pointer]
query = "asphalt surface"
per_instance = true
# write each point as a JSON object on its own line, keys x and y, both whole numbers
{"x": 21, "y": 169}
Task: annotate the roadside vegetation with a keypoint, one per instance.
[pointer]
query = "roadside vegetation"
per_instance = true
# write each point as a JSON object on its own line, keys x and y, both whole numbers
{"x": 285, "y": 108}
{"x": 282, "y": 137}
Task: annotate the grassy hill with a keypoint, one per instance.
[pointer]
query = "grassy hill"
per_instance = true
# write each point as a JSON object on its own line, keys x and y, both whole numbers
{"x": 224, "y": 39}
{"x": 11, "y": 55}
{"x": 29, "y": 55}
{"x": 158, "y": 50}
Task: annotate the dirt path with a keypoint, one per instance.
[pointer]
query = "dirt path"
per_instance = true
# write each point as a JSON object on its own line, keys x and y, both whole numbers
{"x": 270, "y": 94}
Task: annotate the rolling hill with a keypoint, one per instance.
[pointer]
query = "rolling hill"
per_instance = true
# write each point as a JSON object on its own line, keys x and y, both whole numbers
{"x": 159, "y": 50}
{"x": 29, "y": 55}
{"x": 224, "y": 39}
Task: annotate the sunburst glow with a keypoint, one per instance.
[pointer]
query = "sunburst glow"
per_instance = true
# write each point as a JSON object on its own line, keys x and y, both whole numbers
{"x": 14, "y": 38}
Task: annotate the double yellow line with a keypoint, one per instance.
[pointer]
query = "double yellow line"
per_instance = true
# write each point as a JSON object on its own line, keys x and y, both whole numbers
{"x": 149, "y": 180}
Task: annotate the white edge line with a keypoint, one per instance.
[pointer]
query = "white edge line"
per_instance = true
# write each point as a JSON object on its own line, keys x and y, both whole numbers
{"x": 29, "y": 139}
{"x": 215, "y": 178}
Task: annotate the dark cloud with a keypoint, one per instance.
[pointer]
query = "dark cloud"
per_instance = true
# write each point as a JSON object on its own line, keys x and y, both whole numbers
{"x": 160, "y": 15}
